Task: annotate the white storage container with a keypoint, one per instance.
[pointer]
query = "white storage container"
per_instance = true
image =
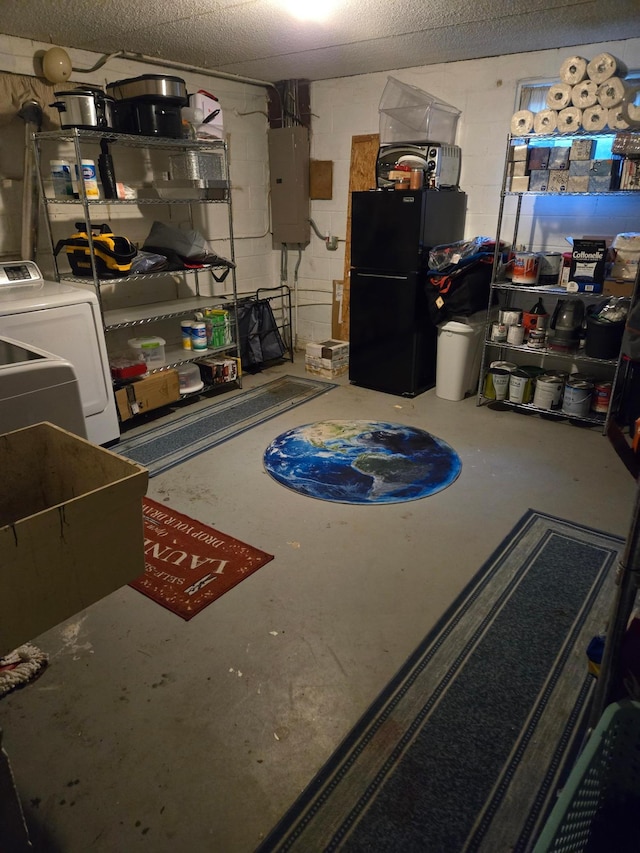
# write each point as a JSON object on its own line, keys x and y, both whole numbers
{"x": 149, "y": 349}
{"x": 627, "y": 247}
{"x": 458, "y": 358}
{"x": 190, "y": 378}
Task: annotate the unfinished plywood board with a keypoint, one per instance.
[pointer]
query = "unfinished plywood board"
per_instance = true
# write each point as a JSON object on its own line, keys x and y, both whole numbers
{"x": 362, "y": 176}
{"x": 321, "y": 179}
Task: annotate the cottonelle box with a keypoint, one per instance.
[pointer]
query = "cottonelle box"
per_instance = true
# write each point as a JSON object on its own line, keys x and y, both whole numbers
{"x": 70, "y": 528}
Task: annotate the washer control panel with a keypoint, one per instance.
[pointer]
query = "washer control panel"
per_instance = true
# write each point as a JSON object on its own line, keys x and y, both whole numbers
{"x": 19, "y": 272}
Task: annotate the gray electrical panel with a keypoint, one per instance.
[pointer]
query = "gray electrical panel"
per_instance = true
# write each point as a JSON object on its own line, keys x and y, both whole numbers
{"x": 289, "y": 171}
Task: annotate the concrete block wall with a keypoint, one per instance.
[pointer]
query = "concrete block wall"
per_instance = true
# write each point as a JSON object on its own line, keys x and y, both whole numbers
{"x": 485, "y": 91}
{"x": 245, "y": 120}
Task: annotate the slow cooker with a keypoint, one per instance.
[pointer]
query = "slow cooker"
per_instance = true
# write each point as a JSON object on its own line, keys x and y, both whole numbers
{"x": 150, "y": 105}
{"x": 87, "y": 107}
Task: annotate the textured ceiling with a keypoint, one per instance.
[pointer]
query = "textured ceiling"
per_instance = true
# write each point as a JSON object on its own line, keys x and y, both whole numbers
{"x": 257, "y": 38}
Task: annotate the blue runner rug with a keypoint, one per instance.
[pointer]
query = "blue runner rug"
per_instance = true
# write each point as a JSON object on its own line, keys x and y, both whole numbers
{"x": 162, "y": 447}
{"x": 464, "y": 748}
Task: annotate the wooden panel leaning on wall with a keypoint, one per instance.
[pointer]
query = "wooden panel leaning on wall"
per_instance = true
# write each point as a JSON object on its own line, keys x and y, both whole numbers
{"x": 362, "y": 176}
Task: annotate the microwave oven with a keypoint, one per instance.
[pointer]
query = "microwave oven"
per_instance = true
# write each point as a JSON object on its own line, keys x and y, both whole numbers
{"x": 440, "y": 163}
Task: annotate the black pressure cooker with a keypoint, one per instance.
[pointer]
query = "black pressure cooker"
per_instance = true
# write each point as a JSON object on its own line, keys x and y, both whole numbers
{"x": 87, "y": 107}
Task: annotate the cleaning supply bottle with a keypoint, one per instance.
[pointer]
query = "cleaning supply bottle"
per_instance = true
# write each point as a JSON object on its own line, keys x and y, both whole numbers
{"x": 107, "y": 173}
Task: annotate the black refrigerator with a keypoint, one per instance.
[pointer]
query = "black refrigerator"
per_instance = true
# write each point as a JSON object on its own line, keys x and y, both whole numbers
{"x": 392, "y": 341}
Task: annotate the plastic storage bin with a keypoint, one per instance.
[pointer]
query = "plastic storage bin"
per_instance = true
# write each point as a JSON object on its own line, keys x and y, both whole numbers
{"x": 407, "y": 114}
{"x": 150, "y": 350}
{"x": 458, "y": 357}
{"x": 597, "y": 810}
{"x": 189, "y": 378}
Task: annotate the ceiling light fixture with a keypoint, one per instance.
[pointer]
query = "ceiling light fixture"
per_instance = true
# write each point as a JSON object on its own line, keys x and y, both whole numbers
{"x": 310, "y": 10}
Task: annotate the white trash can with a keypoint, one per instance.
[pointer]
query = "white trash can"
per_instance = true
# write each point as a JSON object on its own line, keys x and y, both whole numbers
{"x": 458, "y": 358}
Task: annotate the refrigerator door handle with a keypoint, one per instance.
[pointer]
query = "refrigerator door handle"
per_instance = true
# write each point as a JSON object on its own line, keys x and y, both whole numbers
{"x": 381, "y": 275}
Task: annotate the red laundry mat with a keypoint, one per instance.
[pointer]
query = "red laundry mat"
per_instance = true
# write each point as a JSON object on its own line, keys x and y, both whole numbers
{"x": 188, "y": 564}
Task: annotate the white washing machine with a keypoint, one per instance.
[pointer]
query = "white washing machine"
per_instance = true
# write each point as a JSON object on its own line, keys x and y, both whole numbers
{"x": 65, "y": 320}
{"x": 38, "y": 386}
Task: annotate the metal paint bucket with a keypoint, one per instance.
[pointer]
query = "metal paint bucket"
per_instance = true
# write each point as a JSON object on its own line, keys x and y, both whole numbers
{"x": 550, "y": 266}
{"x": 504, "y": 365}
{"x": 601, "y": 397}
{"x": 520, "y": 387}
{"x": 548, "y": 389}
{"x": 496, "y": 384}
{"x": 577, "y": 397}
{"x": 562, "y": 377}
{"x": 510, "y": 316}
{"x": 526, "y": 266}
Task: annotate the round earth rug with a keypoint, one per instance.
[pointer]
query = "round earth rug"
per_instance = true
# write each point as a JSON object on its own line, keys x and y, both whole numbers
{"x": 362, "y": 462}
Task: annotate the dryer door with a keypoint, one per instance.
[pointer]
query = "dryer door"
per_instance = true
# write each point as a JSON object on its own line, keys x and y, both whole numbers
{"x": 68, "y": 331}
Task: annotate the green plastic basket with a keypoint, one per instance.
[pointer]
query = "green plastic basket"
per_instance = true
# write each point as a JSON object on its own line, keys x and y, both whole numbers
{"x": 599, "y": 806}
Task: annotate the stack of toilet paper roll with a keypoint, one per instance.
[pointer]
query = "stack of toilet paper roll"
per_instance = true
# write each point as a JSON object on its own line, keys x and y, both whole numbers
{"x": 590, "y": 96}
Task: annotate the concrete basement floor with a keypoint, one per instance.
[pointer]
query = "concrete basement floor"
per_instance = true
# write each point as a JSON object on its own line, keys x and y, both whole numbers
{"x": 146, "y": 732}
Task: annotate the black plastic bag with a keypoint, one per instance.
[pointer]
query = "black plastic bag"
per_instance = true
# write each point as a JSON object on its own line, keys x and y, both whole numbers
{"x": 260, "y": 338}
{"x": 459, "y": 290}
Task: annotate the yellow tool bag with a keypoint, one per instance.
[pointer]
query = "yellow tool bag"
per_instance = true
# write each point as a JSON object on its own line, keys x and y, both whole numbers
{"x": 113, "y": 255}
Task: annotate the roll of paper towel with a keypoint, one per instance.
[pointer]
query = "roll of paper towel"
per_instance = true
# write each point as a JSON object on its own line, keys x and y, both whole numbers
{"x": 559, "y": 96}
{"x": 603, "y": 66}
{"x": 616, "y": 119}
{"x": 545, "y": 121}
{"x": 522, "y": 122}
{"x": 584, "y": 94}
{"x": 569, "y": 119}
{"x": 594, "y": 118}
{"x": 631, "y": 114}
{"x": 611, "y": 92}
{"x": 573, "y": 70}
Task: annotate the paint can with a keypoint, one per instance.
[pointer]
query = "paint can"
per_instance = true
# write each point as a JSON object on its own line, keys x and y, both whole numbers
{"x": 520, "y": 387}
{"x": 577, "y": 397}
{"x": 537, "y": 339}
{"x": 561, "y": 377}
{"x": 601, "y": 397}
{"x": 526, "y": 266}
{"x": 504, "y": 365}
{"x": 496, "y": 386}
{"x": 498, "y": 333}
{"x": 550, "y": 265}
{"x": 510, "y": 316}
{"x": 515, "y": 335}
{"x": 548, "y": 389}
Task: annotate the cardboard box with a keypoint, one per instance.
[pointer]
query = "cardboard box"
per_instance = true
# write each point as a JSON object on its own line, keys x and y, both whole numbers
{"x": 539, "y": 180}
{"x": 579, "y": 168}
{"x": 559, "y": 158}
{"x": 518, "y": 152}
{"x": 578, "y": 184}
{"x": 70, "y": 528}
{"x": 219, "y": 370}
{"x": 517, "y": 169}
{"x": 148, "y": 393}
{"x": 329, "y": 358}
{"x": 611, "y": 287}
{"x": 587, "y": 268}
{"x": 582, "y": 149}
{"x": 519, "y": 184}
{"x": 558, "y": 181}
{"x": 538, "y": 157}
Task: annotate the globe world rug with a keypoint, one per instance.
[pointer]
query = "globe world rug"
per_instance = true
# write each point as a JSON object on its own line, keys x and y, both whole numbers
{"x": 464, "y": 748}
{"x": 162, "y": 447}
{"x": 187, "y": 564}
{"x": 362, "y": 462}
